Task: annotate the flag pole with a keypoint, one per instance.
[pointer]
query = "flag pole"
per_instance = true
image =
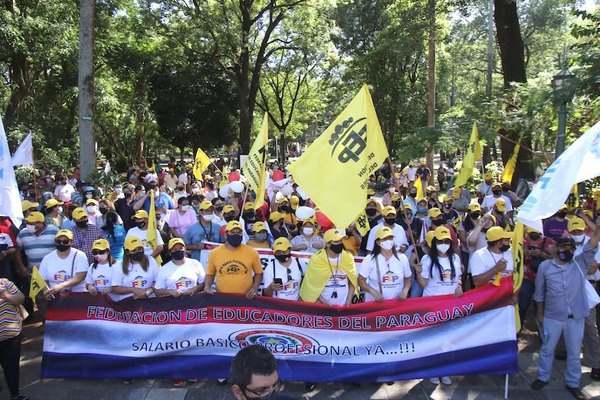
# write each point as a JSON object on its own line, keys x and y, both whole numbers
{"x": 506, "y": 387}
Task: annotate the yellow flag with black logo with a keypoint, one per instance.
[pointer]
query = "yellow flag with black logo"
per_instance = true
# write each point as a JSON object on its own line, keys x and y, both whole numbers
{"x": 152, "y": 235}
{"x": 335, "y": 169}
{"x": 473, "y": 154}
{"x": 362, "y": 224}
{"x": 255, "y": 168}
{"x": 37, "y": 284}
{"x": 511, "y": 164}
{"x": 518, "y": 256}
{"x": 201, "y": 162}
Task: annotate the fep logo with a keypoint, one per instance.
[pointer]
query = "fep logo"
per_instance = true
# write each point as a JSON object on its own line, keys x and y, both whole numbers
{"x": 138, "y": 282}
{"x": 351, "y": 138}
{"x": 277, "y": 341}
{"x": 101, "y": 281}
{"x": 290, "y": 285}
{"x": 389, "y": 278}
{"x": 61, "y": 276}
{"x": 183, "y": 283}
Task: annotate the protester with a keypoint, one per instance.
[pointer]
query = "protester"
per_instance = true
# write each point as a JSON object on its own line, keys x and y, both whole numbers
{"x": 104, "y": 207}
{"x": 260, "y": 237}
{"x": 65, "y": 268}
{"x": 99, "y": 274}
{"x": 556, "y": 226}
{"x": 115, "y": 234}
{"x": 10, "y": 336}
{"x": 141, "y": 231}
{"x": 488, "y": 202}
{"x": 501, "y": 215}
{"x": 351, "y": 240}
{"x": 562, "y": 308}
{"x": 330, "y": 277}
{"x": 135, "y": 275}
{"x": 181, "y": 219}
{"x": 389, "y": 220}
{"x": 485, "y": 187}
{"x": 91, "y": 208}
{"x": 439, "y": 273}
{"x": 181, "y": 276}
{"x": 411, "y": 200}
{"x": 124, "y": 207}
{"x": 63, "y": 190}
{"x": 254, "y": 375}
{"x": 54, "y": 213}
{"x": 203, "y": 230}
{"x": 448, "y": 211}
{"x": 421, "y": 212}
{"x": 514, "y": 199}
{"x": 309, "y": 240}
{"x": 283, "y": 277}
{"x": 385, "y": 274}
{"x": 234, "y": 266}
{"x": 84, "y": 234}
{"x": 277, "y": 226}
{"x": 494, "y": 259}
{"x": 431, "y": 195}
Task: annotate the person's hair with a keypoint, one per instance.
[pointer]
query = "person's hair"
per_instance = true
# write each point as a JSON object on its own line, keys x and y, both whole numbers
{"x": 210, "y": 185}
{"x": 468, "y": 223}
{"x": 144, "y": 263}
{"x": 112, "y": 219}
{"x": 182, "y": 199}
{"x": 252, "y": 360}
{"x": 435, "y": 261}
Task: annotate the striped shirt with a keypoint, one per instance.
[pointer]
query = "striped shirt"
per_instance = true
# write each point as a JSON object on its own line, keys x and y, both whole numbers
{"x": 10, "y": 320}
{"x": 37, "y": 246}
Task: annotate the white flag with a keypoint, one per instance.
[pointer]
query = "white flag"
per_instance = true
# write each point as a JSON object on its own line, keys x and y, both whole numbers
{"x": 24, "y": 154}
{"x": 107, "y": 168}
{"x": 580, "y": 162}
{"x": 10, "y": 201}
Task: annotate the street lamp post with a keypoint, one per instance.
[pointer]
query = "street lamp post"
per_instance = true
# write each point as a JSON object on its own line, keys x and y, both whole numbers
{"x": 563, "y": 88}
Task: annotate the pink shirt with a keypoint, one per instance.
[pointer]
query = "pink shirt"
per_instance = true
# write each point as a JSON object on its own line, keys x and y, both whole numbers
{"x": 181, "y": 223}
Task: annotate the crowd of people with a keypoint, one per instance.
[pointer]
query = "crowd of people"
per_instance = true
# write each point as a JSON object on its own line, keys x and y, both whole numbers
{"x": 96, "y": 239}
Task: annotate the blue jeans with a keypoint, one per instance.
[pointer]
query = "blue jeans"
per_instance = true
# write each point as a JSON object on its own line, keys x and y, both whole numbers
{"x": 572, "y": 330}
{"x": 525, "y": 297}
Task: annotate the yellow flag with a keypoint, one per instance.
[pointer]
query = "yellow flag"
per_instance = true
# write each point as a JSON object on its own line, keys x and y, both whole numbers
{"x": 518, "y": 255}
{"x": 362, "y": 224}
{"x": 255, "y": 168}
{"x": 575, "y": 191}
{"x": 419, "y": 187}
{"x": 509, "y": 168}
{"x": 224, "y": 176}
{"x": 473, "y": 154}
{"x": 37, "y": 284}
{"x": 335, "y": 169}
{"x": 201, "y": 162}
{"x": 152, "y": 230}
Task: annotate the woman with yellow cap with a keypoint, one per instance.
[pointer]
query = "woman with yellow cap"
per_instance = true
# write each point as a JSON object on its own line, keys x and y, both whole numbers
{"x": 99, "y": 275}
{"x": 309, "y": 240}
{"x": 136, "y": 274}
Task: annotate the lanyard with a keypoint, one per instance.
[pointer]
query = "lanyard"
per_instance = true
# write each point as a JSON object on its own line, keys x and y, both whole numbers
{"x": 208, "y": 235}
{"x": 337, "y": 267}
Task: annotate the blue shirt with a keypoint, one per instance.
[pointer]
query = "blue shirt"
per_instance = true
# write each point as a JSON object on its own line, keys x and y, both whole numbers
{"x": 116, "y": 242}
{"x": 198, "y": 233}
{"x": 163, "y": 200}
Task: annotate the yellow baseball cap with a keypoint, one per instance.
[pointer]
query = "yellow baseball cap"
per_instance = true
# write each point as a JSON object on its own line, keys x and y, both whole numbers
{"x": 275, "y": 216}
{"x": 576, "y": 224}
{"x": 434, "y": 212}
{"x": 52, "y": 203}
{"x": 500, "y": 205}
{"x": 387, "y": 210}
{"x": 396, "y": 197}
{"x": 80, "y": 213}
{"x": 496, "y": 233}
{"x": 496, "y": 185}
{"x": 140, "y": 214}
{"x": 430, "y": 188}
{"x": 228, "y": 208}
{"x": 26, "y": 205}
{"x": 474, "y": 207}
{"x": 281, "y": 244}
{"x": 175, "y": 241}
{"x": 429, "y": 238}
{"x": 446, "y": 198}
{"x": 283, "y": 200}
{"x": 91, "y": 201}
{"x": 442, "y": 233}
{"x": 294, "y": 201}
{"x": 370, "y": 192}
{"x": 231, "y": 225}
{"x": 332, "y": 235}
{"x": 384, "y": 232}
{"x": 205, "y": 205}
{"x": 259, "y": 226}
{"x": 64, "y": 232}
{"x": 100, "y": 244}
{"x": 456, "y": 192}
{"x": 248, "y": 206}
{"x": 35, "y": 217}
{"x": 132, "y": 243}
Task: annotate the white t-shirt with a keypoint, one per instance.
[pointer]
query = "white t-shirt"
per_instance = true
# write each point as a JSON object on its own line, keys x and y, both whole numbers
{"x": 483, "y": 260}
{"x": 183, "y": 178}
{"x": 291, "y": 287}
{"x": 136, "y": 276}
{"x": 392, "y": 271}
{"x": 57, "y": 270}
{"x": 64, "y": 192}
{"x": 489, "y": 201}
{"x": 180, "y": 277}
{"x": 336, "y": 288}
{"x": 143, "y": 236}
{"x": 101, "y": 276}
{"x": 399, "y": 236}
{"x": 435, "y": 285}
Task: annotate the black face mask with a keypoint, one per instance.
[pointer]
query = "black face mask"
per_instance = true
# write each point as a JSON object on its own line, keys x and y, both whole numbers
{"x": 140, "y": 224}
{"x": 371, "y": 212}
{"x": 534, "y": 236}
{"x": 474, "y": 216}
{"x": 234, "y": 240}
{"x": 505, "y": 189}
{"x": 396, "y": 204}
{"x": 413, "y": 195}
{"x": 337, "y": 248}
{"x": 137, "y": 257}
{"x": 81, "y": 224}
{"x": 561, "y": 214}
{"x": 447, "y": 205}
{"x": 229, "y": 217}
{"x": 565, "y": 255}
{"x": 284, "y": 209}
{"x": 282, "y": 257}
{"x": 438, "y": 222}
{"x": 504, "y": 248}
{"x": 219, "y": 208}
{"x": 390, "y": 221}
{"x": 249, "y": 216}
{"x": 497, "y": 192}
{"x": 178, "y": 255}
{"x": 103, "y": 210}
{"x": 63, "y": 247}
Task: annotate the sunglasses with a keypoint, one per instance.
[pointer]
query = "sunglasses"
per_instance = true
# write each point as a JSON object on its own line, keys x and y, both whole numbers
{"x": 96, "y": 252}
{"x": 62, "y": 241}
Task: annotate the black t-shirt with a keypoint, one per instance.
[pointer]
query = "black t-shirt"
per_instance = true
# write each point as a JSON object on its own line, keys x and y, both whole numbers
{"x": 125, "y": 211}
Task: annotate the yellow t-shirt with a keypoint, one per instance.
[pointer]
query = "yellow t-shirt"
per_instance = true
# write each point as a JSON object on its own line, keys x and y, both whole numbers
{"x": 233, "y": 268}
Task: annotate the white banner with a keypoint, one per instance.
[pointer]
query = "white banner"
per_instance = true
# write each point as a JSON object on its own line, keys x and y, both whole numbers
{"x": 10, "y": 201}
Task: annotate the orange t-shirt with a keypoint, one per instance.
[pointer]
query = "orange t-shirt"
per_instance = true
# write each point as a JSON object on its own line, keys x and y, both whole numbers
{"x": 234, "y": 269}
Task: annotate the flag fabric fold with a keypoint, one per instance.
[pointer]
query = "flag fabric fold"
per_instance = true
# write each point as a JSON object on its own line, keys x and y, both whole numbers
{"x": 254, "y": 168}
{"x": 37, "y": 284}
{"x": 518, "y": 255}
{"x": 473, "y": 154}
{"x": 511, "y": 164}
{"x": 10, "y": 200}
{"x": 152, "y": 237}
{"x": 335, "y": 169}
{"x": 24, "y": 153}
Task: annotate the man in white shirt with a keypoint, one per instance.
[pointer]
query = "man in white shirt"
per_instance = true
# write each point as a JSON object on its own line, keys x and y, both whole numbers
{"x": 282, "y": 277}
{"x": 489, "y": 201}
{"x": 389, "y": 220}
{"x": 181, "y": 275}
{"x": 64, "y": 190}
{"x": 496, "y": 258}
{"x": 141, "y": 231}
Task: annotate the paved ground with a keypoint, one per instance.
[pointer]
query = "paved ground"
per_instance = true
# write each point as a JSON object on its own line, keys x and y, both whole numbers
{"x": 477, "y": 387}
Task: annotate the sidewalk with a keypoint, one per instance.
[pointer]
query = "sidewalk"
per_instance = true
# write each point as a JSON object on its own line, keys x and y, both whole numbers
{"x": 478, "y": 387}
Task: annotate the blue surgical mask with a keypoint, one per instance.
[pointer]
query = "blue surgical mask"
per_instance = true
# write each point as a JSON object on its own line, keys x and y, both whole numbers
{"x": 421, "y": 210}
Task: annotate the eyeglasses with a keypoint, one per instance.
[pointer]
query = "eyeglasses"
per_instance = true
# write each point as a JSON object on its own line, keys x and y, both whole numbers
{"x": 263, "y": 394}
{"x": 96, "y": 252}
{"x": 62, "y": 241}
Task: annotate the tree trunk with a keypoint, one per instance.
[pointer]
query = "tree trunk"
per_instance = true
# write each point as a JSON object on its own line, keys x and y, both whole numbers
{"x": 85, "y": 82}
{"x": 431, "y": 82}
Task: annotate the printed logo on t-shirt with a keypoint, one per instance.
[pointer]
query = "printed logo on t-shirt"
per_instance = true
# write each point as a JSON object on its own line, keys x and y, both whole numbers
{"x": 233, "y": 268}
{"x": 138, "y": 282}
{"x": 290, "y": 285}
{"x": 337, "y": 281}
{"x": 183, "y": 283}
{"x": 447, "y": 275}
{"x": 61, "y": 276}
{"x": 389, "y": 278}
{"x": 101, "y": 280}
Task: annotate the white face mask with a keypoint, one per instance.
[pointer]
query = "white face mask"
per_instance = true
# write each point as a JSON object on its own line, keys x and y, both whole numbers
{"x": 101, "y": 258}
{"x": 578, "y": 238}
{"x": 307, "y": 231}
{"x": 386, "y": 244}
{"x": 30, "y": 228}
{"x": 443, "y": 248}
{"x": 89, "y": 195}
{"x": 185, "y": 208}
{"x": 59, "y": 209}
{"x": 208, "y": 217}
{"x": 91, "y": 209}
